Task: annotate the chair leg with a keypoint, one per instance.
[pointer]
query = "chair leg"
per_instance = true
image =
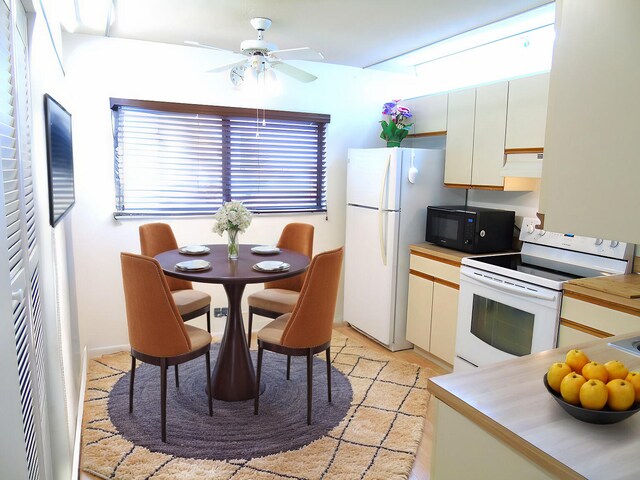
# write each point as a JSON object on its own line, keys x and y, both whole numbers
{"x": 207, "y": 357}
{"x": 163, "y": 398}
{"x": 329, "y": 372}
{"x": 177, "y": 379}
{"x": 209, "y": 321}
{"x": 256, "y": 401}
{"x": 131, "y": 380}
{"x": 249, "y": 325}
{"x": 309, "y": 384}
{"x": 288, "y": 366}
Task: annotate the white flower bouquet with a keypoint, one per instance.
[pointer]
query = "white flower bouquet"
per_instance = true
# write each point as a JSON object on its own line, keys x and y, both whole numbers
{"x": 232, "y": 217}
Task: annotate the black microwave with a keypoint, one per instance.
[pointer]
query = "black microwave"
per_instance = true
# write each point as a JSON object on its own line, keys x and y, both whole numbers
{"x": 470, "y": 229}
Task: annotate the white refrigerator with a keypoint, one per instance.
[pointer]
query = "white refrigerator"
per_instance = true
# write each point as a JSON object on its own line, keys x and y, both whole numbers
{"x": 388, "y": 191}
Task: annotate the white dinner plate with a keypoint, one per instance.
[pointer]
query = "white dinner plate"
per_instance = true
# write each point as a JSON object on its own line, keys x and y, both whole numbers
{"x": 193, "y": 265}
{"x": 194, "y": 250}
{"x": 265, "y": 249}
{"x": 271, "y": 266}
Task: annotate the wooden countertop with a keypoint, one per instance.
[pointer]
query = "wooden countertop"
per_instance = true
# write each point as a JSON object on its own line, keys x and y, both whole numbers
{"x": 438, "y": 252}
{"x": 510, "y": 402}
{"x": 608, "y": 300}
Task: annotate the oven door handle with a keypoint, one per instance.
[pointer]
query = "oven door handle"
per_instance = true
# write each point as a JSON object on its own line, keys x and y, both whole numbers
{"x": 508, "y": 288}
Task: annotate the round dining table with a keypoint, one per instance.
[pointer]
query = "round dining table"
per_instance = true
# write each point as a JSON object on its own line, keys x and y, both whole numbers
{"x": 233, "y": 377}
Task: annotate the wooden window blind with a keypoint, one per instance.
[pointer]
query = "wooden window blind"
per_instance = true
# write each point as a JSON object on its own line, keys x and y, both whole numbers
{"x": 179, "y": 159}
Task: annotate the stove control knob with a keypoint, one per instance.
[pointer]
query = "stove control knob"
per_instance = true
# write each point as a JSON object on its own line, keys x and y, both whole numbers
{"x": 542, "y": 232}
{"x": 614, "y": 243}
{"x": 530, "y": 228}
{"x": 599, "y": 241}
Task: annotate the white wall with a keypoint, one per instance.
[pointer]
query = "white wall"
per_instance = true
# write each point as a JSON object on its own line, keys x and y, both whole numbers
{"x": 62, "y": 356}
{"x": 98, "y": 68}
{"x": 525, "y": 204}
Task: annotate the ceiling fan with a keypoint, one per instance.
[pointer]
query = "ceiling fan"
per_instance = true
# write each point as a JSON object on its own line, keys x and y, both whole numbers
{"x": 263, "y": 55}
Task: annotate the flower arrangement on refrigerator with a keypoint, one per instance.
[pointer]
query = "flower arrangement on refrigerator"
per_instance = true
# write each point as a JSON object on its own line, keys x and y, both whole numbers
{"x": 395, "y": 128}
{"x": 232, "y": 217}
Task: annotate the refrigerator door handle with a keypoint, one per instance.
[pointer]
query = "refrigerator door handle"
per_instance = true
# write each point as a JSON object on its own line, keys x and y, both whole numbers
{"x": 383, "y": 247}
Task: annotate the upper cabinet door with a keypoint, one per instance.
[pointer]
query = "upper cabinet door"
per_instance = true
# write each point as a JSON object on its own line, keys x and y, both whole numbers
{"x": 489, "y": 133}
{"x": 527, "y": 112}
{"x": 430, "y": 114}
{"x": 460, "y": 125}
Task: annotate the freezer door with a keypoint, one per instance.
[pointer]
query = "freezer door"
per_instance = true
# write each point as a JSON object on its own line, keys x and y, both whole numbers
{"x": 370, "y": 272}
{"x": 373, "y": 177}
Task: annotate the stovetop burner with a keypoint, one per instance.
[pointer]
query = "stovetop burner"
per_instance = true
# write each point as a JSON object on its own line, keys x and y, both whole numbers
{"x": 540, "y": 267}
{"x": 549, "y": 259}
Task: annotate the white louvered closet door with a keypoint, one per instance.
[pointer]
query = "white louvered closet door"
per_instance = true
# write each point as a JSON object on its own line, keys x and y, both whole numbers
{"x": 21, "y": 245}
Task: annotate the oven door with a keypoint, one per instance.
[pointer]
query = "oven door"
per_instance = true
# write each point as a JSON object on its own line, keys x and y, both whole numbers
{"x": 500, "y": 318}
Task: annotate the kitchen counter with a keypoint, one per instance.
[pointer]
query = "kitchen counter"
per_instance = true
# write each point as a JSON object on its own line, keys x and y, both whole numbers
{"x": 608, "y": 300}
{"x": 509, "y": 402}
{"x": 430, "y": 250}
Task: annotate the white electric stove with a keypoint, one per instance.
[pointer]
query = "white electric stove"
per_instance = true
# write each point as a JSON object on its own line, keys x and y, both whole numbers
{"x": 510, "y": 303}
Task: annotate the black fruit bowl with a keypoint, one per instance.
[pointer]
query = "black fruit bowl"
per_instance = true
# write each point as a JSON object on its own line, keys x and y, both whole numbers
{"x": 604, "y": 416}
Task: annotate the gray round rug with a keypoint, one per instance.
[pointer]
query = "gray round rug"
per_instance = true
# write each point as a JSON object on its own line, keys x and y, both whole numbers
{"x": 233, "y": 432}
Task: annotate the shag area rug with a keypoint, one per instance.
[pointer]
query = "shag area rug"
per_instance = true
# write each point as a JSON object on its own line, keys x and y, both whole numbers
{"x": 370, "y": 430}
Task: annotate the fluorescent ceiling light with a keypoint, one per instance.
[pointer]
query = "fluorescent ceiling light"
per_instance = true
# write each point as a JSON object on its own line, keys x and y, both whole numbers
{"x": 524, "y": 22}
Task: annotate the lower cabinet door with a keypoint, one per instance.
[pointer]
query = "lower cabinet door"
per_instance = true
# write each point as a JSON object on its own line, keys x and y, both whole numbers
{"x": 444, "y": 322}
{"x": 419, "y": 311}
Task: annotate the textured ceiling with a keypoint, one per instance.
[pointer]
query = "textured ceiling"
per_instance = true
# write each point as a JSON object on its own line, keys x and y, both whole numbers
{"x": 359, "y": 33}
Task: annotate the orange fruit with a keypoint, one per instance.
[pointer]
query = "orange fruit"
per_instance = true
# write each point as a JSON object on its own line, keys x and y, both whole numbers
{"x": 616, "y": 369}
{"x": 634, "y": 379}
{"x": 595, "y": 370}
{"x": 593, "y": 394}
{"x": 621, "y": 395}
{"x": 556, "y": 373}
{"x": 570, "y": 388}
{"x": 576, "y": 359}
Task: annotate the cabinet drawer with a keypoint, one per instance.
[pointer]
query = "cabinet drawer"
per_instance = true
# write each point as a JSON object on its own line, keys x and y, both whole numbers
{"x": 435, "y": 269}
{"x": 598, "y": 317}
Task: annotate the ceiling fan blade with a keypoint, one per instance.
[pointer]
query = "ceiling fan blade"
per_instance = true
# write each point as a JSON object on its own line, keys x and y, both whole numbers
{"x": 300, "y": 53}
{"x": 293, "y": 72}
{"x": 228, "y": 66}
{"x": 203, "y": 45}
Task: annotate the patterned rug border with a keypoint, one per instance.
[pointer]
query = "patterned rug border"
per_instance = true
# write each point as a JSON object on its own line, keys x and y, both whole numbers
{"x": 377, "y": 439}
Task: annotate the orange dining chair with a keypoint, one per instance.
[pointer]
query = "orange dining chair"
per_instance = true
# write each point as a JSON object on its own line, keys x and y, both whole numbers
{"x": 280, "y": 296}
{"x": 307, "y": 329}
{"x": 156, "y": 238}
{"x": 157, "y": 333}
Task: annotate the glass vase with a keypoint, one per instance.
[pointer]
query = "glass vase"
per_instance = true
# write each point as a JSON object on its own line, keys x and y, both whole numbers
{"x": 232, "y": 245}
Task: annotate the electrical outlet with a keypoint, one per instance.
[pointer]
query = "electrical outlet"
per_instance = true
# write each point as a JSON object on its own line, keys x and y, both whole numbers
{"x": 220, "y": 312}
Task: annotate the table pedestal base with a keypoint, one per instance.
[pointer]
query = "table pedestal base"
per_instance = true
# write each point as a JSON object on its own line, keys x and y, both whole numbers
{"x": 233, "y": 377}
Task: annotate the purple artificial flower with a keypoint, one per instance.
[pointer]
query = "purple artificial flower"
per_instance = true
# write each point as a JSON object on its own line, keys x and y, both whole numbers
{"x": 389, "y": 108}
{"x": 404, "y": 111}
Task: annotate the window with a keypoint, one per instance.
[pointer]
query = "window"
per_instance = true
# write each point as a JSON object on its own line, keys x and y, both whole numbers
{"x": 176, "y": 159}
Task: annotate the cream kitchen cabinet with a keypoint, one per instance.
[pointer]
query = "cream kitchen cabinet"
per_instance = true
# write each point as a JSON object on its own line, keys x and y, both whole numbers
{"x": 591, "y": 168}
{"x": 527, "y": 114}
{"x": 429, "y": 115}
{"x": 584, "y": 318}
{"x": 432, "y": 310}
{"x": 476, "y": 123}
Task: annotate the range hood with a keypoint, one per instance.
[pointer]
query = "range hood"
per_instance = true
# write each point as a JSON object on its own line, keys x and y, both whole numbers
{"x": 521, "y": 164}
